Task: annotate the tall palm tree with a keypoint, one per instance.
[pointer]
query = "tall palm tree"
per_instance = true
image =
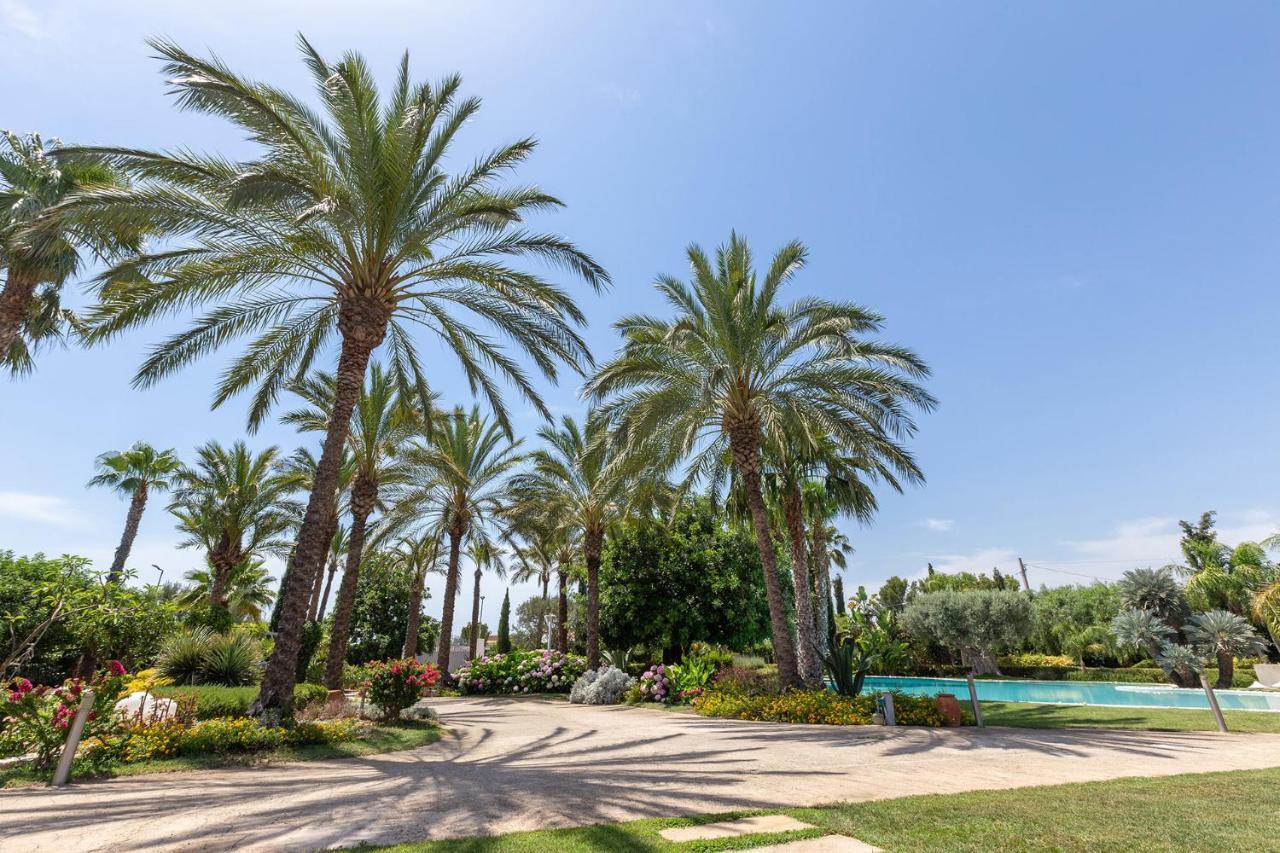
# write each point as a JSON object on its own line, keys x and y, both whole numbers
{"x": 301, "y": 467}
{"x": 381, "y": 424}
{"x": 458, "y": 478}
{"x": 247, "y": 590}
{"x": 337, "y": 552}
{"x": 484, "y": 555}
{"x": 422, "y": 555}
{"x": 579, "y": 476}
{"x": 737, "y": 369}
{"x": 36, "y": 250}
{"x": 345, "y": 221}
{"x": 1226, "y": 636}
{"x": 135, "y": 472}
{"x": 234, "y": 504}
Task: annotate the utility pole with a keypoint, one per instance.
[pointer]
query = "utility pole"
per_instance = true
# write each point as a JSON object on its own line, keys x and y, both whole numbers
{"x": 1023, "y": 566}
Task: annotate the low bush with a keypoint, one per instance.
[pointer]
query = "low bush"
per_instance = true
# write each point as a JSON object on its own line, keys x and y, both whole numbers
{"x": 816, "y": 707}
{"x": 746, "y": 681}
{"x": 604, "y": 686}
{"x": 718, "y": 656}
{"x": 394, "y": 685}
{"x": 200, "y": 656}
{"x": 36, "y": 719}
{"x": 521, "y": 672}
{"x": 1033, "y": 660}
{"x": 655, "y": 684}
{"x": 228, "y": 734}
{"x": 213, "y": 701}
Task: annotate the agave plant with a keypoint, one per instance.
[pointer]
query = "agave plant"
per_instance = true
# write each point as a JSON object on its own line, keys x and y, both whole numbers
{"x": 182, "y": 655}
{"x": 231, "y": 660}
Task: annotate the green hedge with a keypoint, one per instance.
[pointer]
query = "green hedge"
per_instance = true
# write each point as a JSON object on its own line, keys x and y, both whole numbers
{"x": 213, "y": 701}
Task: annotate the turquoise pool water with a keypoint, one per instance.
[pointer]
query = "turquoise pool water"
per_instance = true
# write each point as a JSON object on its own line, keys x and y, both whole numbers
{"x": 1077, "y": 693}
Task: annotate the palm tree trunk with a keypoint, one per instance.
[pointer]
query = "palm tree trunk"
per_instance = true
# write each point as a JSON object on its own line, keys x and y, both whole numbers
{"x": 328, "y": 584}
{"x": 592, "y": 545}
{"x": 15, "y": 301}
{"x": 415, "y": 603}
{"x": 450, "y": 593}
{"x": 275, "y": 697}
{"x": 131, "y": 522}
{"x": 806, "y": 639}
{"x": 364, "y": 496}
{"x": 820, "y": 560}
{"x": 744, "y": 442}
{"x": 546, "y": 579}
{"x": 562, "y": 614}
{"x": 1226, "y": 670}
{"x": 475, "y": 616}
{"x": 313, "y": 613}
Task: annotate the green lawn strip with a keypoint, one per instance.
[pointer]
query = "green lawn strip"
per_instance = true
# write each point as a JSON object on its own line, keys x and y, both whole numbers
{"x": 383, "y": 738}
{"x": 1034, "y": 716}
{"x": 1202, "y": 811}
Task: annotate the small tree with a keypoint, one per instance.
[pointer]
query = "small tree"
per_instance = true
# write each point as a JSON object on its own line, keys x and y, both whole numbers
{"x": 504, "y": 624}
{"x": 1225, "y": 636}
{"x": 974, "y": 621}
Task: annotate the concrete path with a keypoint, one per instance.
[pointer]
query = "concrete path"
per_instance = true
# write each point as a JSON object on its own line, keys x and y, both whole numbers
{"x": 508, "y": 765}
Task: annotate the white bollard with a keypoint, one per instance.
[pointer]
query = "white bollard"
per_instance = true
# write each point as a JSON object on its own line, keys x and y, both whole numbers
{"x": 73, "y": 739}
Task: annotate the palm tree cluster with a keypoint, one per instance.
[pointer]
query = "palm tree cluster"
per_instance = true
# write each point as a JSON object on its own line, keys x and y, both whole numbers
{"x": 345, "y": 239}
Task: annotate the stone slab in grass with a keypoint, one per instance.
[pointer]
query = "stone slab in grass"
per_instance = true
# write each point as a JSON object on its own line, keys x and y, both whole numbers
{"x": 735, "y": 828}
{"x": 824, "y": 844}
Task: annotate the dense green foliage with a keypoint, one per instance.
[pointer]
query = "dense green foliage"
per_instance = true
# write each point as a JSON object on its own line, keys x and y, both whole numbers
{"x": 975, "y": 621}
{"x": 504, "y": 624}
{"x": 213, "y": 701}
{"x": 380, "y": 617}
{"x": 666, "y": 587}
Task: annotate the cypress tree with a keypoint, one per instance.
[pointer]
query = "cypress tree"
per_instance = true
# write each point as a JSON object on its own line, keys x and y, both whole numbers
{"x": 837, "y": 586}
{"x": 504, "y": 624}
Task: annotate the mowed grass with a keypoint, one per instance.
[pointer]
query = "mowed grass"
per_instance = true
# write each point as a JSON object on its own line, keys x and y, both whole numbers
{"x": 1203, "y": 811}
{"x": 1026, "y": 715}
{"x": 382, "y": 738}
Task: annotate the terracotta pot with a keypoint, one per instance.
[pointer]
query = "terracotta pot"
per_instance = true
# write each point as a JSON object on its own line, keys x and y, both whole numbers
{"x": 949, "y": 708}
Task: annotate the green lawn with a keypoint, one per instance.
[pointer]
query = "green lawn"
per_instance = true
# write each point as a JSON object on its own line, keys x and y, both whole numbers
{"x": 1204, "y": 811}
{"x": 383, "y": 738}
{"x": 1031, "y": 716}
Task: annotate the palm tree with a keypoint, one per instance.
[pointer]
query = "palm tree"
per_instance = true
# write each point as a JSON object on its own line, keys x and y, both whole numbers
{"x": 247, "y": 590}
{"x": 135, "y": 472}
{"x": 1141, "y": 628}
{"x": 381, "y": 424}
{"x": 737, "y": 369}
{"x": 579, "y": 476}
{"x": 234, "y": 504}
{"x": 301, "y": 467}
{"x": 484, "y": 555}
{"x": 345, "y": 222}
{"x": 1224, "y": 635}
{"x": 458, "y": 475}
{"x": 422, "y": 556}
{"x": 1156, "y": 590}
{"x": 35, "y": 250}
{"x": 337, "y": 551}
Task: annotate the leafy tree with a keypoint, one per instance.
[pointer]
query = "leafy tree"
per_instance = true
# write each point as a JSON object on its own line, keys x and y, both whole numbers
{"x": 1225, "y": 636}
{"x": 344, "y": 222}
{"x": 37, "y": 249}
{"x": 693, "y": 580}
{"x": 379, "y": 618}
{"x": 135, "y": 472}
{"x": 1063, "y": 612}
{"x": 233, "y": 503}
{"x": 471, "y": 640}
{"x": 737, "y": 369}
{"x": 976, "y": 622}
{"x": 1199, "y": 543}
{"x": 504, "y": 624}
{"x": 893, "y": 594}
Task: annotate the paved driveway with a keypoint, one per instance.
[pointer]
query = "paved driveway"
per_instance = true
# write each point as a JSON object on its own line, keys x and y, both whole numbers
{"x": 530, "y": 764}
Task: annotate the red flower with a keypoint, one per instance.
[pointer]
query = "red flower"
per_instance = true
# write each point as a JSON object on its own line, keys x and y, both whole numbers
{"x": 117, "y": 668}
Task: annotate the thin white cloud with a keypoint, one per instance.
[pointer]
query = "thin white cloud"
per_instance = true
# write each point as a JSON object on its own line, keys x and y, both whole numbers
{"x": 939, "y": 525}
{"x": 45, "y": 509}
{"x": 982, "y": 560}
{"x": 19, "y": 17}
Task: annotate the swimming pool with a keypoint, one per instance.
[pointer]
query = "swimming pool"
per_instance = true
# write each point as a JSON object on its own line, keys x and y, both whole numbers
{"x": 1077, "y": 693}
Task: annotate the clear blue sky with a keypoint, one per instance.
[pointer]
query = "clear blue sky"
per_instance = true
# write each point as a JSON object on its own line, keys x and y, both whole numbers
{"x": 1070, "y": 210}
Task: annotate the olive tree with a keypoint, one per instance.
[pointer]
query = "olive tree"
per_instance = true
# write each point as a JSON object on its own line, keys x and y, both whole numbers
{"x": 973, "y": 621}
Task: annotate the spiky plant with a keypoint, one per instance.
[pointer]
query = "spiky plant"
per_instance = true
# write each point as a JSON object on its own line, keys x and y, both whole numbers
{"x": 1183, "y": 664}
{"x": 1143, "y": 629}
{"x": 135, "y": 472}
{"x": 1225, "y": 636}
{"x": 737, "y": 369}
{"x": 344, "y": 227}
{"x": 1156, "y": 590}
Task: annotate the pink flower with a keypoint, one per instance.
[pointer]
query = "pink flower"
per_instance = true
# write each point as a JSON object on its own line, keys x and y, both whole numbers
{"x": 117, "y": 668}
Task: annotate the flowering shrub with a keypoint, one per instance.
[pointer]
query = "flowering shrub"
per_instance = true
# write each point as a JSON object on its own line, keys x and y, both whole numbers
{"x": 521, "y": 672}
{"x": 231, "y": 734}
{"x": 821, "y": 707}
{"x": 655, "y": 684}
{"x": 396, "y": 684}
{"x": 746, "y": 681}
{"x": 603, "y": 686}
{"x": 689, "y": 679}
{"x": 37, "y": 719}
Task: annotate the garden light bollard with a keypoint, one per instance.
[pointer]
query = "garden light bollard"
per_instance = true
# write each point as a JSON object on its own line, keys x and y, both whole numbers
{"x": 1213, "y": 703}
{"x": 886, "y": 702}
{"x": 73, "y": 739}
{"x": 973, "y": 699}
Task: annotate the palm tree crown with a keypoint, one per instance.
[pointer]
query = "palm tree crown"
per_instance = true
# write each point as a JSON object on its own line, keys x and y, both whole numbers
{"x": 134, "y": 472}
